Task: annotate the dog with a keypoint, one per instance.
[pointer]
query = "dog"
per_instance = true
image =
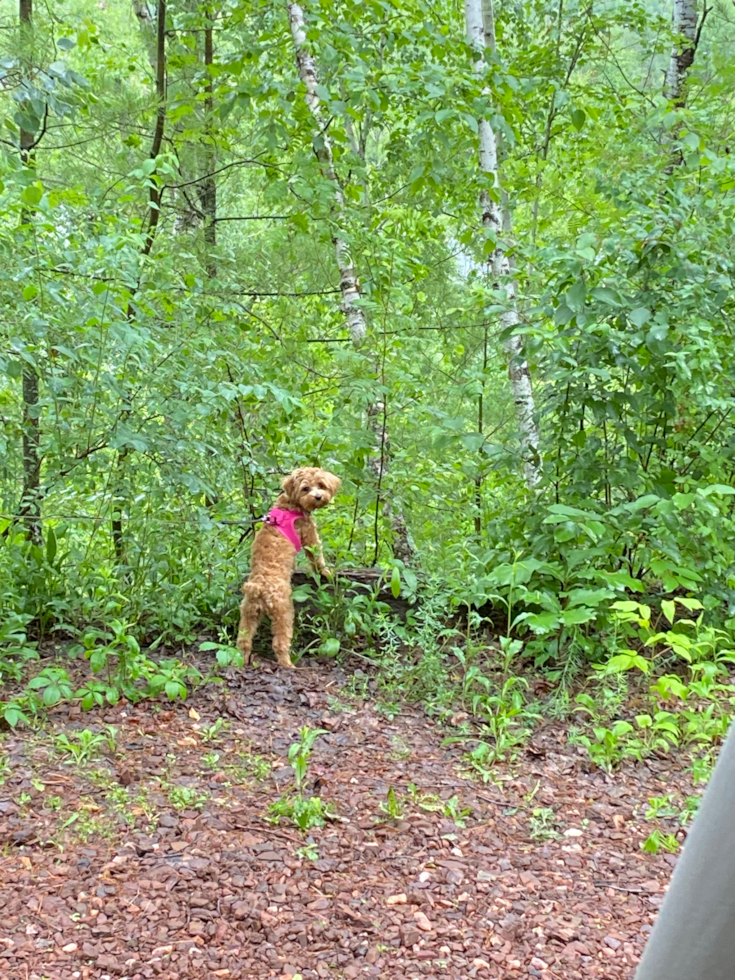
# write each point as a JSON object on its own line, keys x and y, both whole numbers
{"x": 288, "y": 527}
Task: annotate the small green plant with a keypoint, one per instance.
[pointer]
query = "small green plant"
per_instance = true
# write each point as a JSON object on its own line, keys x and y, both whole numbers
{"x": 170, "y": 677}
{"x": 15, "y": 648}
{"x": 391, "y": 806}
{"x": 455, "y": 812}
{"x": 117, "y": 653}
{"x": 609, "y": 746}
{"x": 689, "y": 811}
{"x": 86, "y": 825}
{"x": 227, "y": 655}
{"x": 5, "y": 769}
{"x": 299, "y": 754}
{"x": 432, "y": 803}
{"x": 118, "y": 799}
{"x": 54, "y": 803}
{"x": 657, "y": 840}
{"x": 542, "y": 824}
{"x": 210, "y": 733}
{"x": 81, "y": 746}
{"x": 249, "y": 767}
{"x": 187, "y": 798}
{"x": 211, "y": 760}
{"x": 687, "y": 639}
{"x": 660, "y": 807}
{"x": 54, "y": 683}
{"x": 309, "y": 852}
{"x": 304, "y": 812}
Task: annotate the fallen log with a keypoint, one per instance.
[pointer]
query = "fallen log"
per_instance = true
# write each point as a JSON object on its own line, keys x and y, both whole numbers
{"x": 347, "y": 583}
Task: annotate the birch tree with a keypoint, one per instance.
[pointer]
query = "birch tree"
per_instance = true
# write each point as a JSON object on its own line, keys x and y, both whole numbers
{"x": 683, "y": 51}
{"x": 30, "y": 505}
{"x": 348, "y": 281}
{"x": 497, "y": 220}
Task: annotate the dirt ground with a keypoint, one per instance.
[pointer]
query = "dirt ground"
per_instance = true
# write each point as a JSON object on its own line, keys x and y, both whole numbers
{"x": 154, "y": 857}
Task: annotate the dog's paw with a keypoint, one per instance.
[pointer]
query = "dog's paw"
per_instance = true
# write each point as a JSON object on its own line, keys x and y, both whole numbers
{"x": 326, "y": 572}
{"x": 244, "y": 647}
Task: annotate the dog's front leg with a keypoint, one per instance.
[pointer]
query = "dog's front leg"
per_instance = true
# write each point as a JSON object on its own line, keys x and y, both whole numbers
{"x": 313, "y": 548}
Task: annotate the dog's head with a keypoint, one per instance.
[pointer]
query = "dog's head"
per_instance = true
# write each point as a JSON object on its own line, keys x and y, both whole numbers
{"x": 310, "y": 488}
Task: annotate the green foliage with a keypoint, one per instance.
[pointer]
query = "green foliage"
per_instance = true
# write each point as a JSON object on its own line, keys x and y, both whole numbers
{"x": 82, "y": 747}
{"x": 543, "y": 824}
{"x": 187, "y": 798}
{"x": 210, "y": 733}
{"x": 391, "y": 806}
{"x": 303, "y": 811}
{"x": 178, "y": 307}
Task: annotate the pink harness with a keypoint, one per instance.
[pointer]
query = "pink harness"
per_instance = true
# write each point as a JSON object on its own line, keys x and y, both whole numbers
{"x": 284, "y": 521}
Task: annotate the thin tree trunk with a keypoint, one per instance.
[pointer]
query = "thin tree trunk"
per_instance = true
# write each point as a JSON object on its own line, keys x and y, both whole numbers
{"x": 480, "y": 34}
{"x": 683, "y": 50}
{"x": 348, "y": 282}
{"x": 30, "y": 504}
{"x": 154, "y": 194}
{"x": 480, "y": 428}
{"x": 118, "y": 504}
{"x": 154, "y": 212}
{"x": 208, "y": 193}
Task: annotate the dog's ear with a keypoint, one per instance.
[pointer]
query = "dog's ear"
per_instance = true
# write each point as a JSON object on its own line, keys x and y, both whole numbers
{"x": 333, "y": 482}
{"x": 290, "y": 483}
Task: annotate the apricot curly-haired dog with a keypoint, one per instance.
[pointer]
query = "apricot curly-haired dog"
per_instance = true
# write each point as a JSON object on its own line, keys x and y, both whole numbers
{"x": 288, "y": 527}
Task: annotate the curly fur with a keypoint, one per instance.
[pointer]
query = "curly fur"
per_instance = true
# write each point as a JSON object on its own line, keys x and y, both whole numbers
{"x": 267, "y": 591}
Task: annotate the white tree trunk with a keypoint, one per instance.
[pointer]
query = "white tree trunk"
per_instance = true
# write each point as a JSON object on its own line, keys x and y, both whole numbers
{"x": 683, "y": 50}
{"x": 348, "y": 282}
{"x": 480, "y": 34}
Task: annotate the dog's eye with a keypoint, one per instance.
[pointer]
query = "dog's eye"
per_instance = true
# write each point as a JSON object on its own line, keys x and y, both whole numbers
{"x": 320, "y": 486}
{"x": 304, "y": 489}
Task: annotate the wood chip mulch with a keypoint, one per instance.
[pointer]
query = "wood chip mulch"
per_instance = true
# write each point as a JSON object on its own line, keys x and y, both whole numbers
{"x": 157, "y": 860}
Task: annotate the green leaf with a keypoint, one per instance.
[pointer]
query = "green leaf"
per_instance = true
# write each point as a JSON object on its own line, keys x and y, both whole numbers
{"x": 32, "y": 194}
{"x": 577, "y": 615}
{"x": 626, "y": 661}
{"x": 606, "y": 295}
{"x": 578, "y": 118}
{"x": 640, "y": 316}
{"x": 330, "y": 647}
{"x": 174, "y": 689}
{"x": 50, "y": 545}
{"x": 51, "y": 694}
{"x": 14, "y": 716}
{"x": 395, "y": 582}
{"x": 721, "y": 488}
{"x": 668, "y": 608}
{"x": 30, "y": 292}
{"x": 576, "y": 295}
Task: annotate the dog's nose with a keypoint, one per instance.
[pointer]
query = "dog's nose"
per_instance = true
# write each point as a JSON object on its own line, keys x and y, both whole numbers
{"x": 318, "y": 496}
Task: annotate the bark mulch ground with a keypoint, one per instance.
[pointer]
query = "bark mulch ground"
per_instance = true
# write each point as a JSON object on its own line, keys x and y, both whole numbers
{"x": 157, "y": 860}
